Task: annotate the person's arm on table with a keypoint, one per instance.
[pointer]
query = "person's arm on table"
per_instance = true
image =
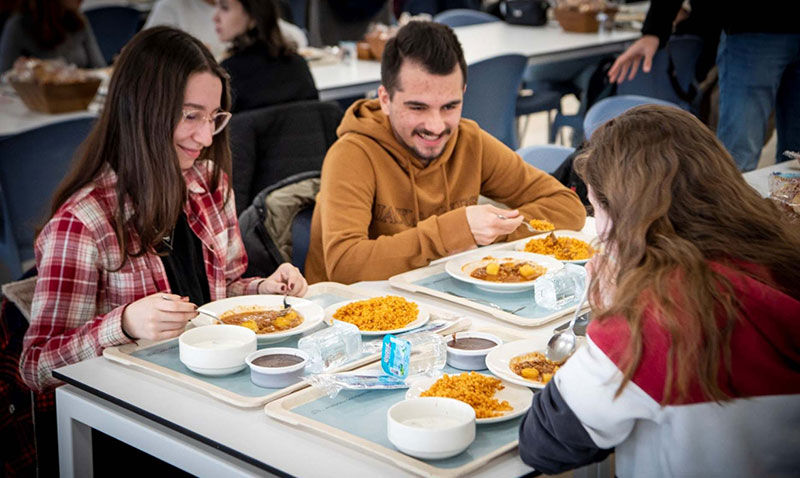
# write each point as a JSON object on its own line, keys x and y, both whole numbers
{"x": 534, "y": 193}
{"x": 65, "y": 326}
{"x": 577, "y": 419}
{"x": 286, "y": 279}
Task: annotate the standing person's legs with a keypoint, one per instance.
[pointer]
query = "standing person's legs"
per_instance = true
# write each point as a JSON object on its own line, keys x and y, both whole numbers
{"x": 787, "y": 110}
{"x": 750, "y": 69}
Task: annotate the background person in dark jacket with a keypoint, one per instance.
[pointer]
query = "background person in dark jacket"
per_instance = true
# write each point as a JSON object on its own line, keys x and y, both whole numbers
{"x": 50, "y": 29}
{"x": 759, "y": 70}
{"x": 264, "y": 69}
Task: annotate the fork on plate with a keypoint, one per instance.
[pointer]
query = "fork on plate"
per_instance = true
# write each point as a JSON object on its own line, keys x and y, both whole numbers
{"x": 525, "y": 223}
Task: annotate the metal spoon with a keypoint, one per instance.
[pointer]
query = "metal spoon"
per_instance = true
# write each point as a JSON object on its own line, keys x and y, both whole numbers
{"x": 286, "y": 307}
{"x": 209, "y": 313}
{"x": 562, "y": 344}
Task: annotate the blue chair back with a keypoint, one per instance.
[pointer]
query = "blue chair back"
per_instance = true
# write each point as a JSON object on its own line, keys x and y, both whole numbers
{"x": 33, "y": 164}
{"x": 299, "y": 9}
{"x": 113, "y": 27}
{"x": 491, "y": 97}
{"x": 684, "y": 51}
{"x": 547, "y": 157}
{"x": 614, "y": 106}
{"x": 301, "y": 237}
{"x": 461, "y": 17}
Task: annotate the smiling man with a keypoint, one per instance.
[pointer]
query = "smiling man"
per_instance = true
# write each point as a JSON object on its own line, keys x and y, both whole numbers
{"x": 400, "y": 187}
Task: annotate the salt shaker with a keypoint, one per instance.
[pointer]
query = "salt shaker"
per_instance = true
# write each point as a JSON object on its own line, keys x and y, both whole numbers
{"x": 331, "y": 347}
{"x": 555, "y": 290}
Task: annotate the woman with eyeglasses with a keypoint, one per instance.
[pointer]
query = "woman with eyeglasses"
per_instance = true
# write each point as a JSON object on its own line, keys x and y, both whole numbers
{"x": 144, "y": 228}
{"x": 265, "y": 69}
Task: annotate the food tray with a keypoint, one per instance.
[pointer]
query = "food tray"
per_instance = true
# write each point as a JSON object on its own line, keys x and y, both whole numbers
{"x": 162, "y": 358}
{"x": 357, "y": 418}
{"x": 434, "y": 281}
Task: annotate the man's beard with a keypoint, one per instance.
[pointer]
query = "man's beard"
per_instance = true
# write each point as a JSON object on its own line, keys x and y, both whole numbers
{"x": 425, "y": 159}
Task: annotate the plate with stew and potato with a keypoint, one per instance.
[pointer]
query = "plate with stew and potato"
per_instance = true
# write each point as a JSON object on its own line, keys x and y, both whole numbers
{"x": 502, "y": 271}
{"x": 265, "y": 315}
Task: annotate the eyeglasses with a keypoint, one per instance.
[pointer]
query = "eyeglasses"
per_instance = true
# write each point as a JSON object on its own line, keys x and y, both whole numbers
{"x": 195, "y": 119}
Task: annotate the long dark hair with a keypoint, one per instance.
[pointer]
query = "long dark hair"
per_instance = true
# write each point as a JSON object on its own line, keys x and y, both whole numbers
{"x": 676, "y": 203}
{"x": 134, "y": 136}
{"x": 266, "y": 33}
{"x": 50, "y": 21}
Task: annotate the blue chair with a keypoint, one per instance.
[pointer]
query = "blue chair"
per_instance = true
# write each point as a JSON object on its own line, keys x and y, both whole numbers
{"x": 542, "y": 99}
{"x": 33, "y": 164}
{"x": 547, "y": 157}
{"x": 491, "y": 96}
{"x": 682, "y": 51}
{"x": 299, "y": 9}
{"x": 113, "y": 27}
{"x": 614, "y": 106}
{"x": 461, "y": 17}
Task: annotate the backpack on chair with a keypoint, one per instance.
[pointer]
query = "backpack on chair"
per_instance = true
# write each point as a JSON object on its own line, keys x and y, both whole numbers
{"x": 275, "y": 227}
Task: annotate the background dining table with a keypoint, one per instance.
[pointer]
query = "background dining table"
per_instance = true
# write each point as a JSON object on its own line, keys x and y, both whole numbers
{"x": 336, "y": 80}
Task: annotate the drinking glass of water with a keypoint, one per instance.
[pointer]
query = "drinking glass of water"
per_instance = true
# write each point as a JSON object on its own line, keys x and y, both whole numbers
{"x": 556, "y": 290}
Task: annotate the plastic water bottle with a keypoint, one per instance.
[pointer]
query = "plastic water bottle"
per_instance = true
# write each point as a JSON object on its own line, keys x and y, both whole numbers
{"x": 604, "y": 24}
{"x": 423, "y": 353}
{"x": 331, "y": 347}
{"x": 555, "y": 290}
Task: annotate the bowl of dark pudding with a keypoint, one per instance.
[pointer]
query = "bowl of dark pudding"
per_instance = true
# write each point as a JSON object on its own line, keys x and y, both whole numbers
{"x": 276, "y": 367}
{"x": 467, "y": 350}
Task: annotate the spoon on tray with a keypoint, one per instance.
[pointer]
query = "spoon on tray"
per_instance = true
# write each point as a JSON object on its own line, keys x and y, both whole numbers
{"x": 562, "y": 344}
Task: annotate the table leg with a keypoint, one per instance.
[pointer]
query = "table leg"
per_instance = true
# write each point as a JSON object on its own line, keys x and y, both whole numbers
{"x": 79, "y": 412}
{"x": 74, "y": 440}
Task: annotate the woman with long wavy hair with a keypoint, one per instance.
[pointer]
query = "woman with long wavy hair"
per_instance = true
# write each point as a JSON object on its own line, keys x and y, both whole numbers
{"x": 264, "y": 67}
{"x": 692, "y": 361}
{"x": 50, "y": 29}
{"x": 144, "y": 228}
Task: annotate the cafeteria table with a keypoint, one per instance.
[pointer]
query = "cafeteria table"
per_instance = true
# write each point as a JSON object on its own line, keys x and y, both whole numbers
{"x": 207, "y": 437}
{"x": 543, "y": 44}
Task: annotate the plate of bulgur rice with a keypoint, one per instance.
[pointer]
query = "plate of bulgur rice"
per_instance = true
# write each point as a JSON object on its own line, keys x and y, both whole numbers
{"x": 566, "y": 246}
{"x": 389, "y": 314}
{"x": 494, "y": 400}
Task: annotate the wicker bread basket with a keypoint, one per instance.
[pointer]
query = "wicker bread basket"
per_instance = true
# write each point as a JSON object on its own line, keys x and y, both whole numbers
{"x": 574, "y": 20}
{"x": 56, "y": 97}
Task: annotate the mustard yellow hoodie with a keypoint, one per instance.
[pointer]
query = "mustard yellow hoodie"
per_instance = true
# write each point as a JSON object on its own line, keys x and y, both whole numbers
{"x": 381, "y": 212}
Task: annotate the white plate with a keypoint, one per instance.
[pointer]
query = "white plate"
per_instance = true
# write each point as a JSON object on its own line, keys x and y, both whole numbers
{"x": 456, "y": 269}
{"x": 499, "y": 359}
{"x": 422, "y": 318}
{"x": 311, "y": 312}
{"x": 592, "y": 240}
{"x": 518, "y": 397}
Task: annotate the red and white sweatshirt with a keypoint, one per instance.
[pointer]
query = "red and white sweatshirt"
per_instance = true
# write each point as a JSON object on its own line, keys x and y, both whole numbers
{"x": 577, "y": 420}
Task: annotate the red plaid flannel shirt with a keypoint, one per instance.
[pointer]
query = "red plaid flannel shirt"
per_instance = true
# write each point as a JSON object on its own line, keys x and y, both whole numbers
{"x": 78, "y": 303}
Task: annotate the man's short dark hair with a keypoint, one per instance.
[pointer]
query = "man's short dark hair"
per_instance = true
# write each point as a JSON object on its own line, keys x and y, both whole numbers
{"x": 432, "y": 45}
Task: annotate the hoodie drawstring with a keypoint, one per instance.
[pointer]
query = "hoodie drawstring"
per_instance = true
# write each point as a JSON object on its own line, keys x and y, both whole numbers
{"x": 416, "y": 197}
{"x": 446, "y": 189}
